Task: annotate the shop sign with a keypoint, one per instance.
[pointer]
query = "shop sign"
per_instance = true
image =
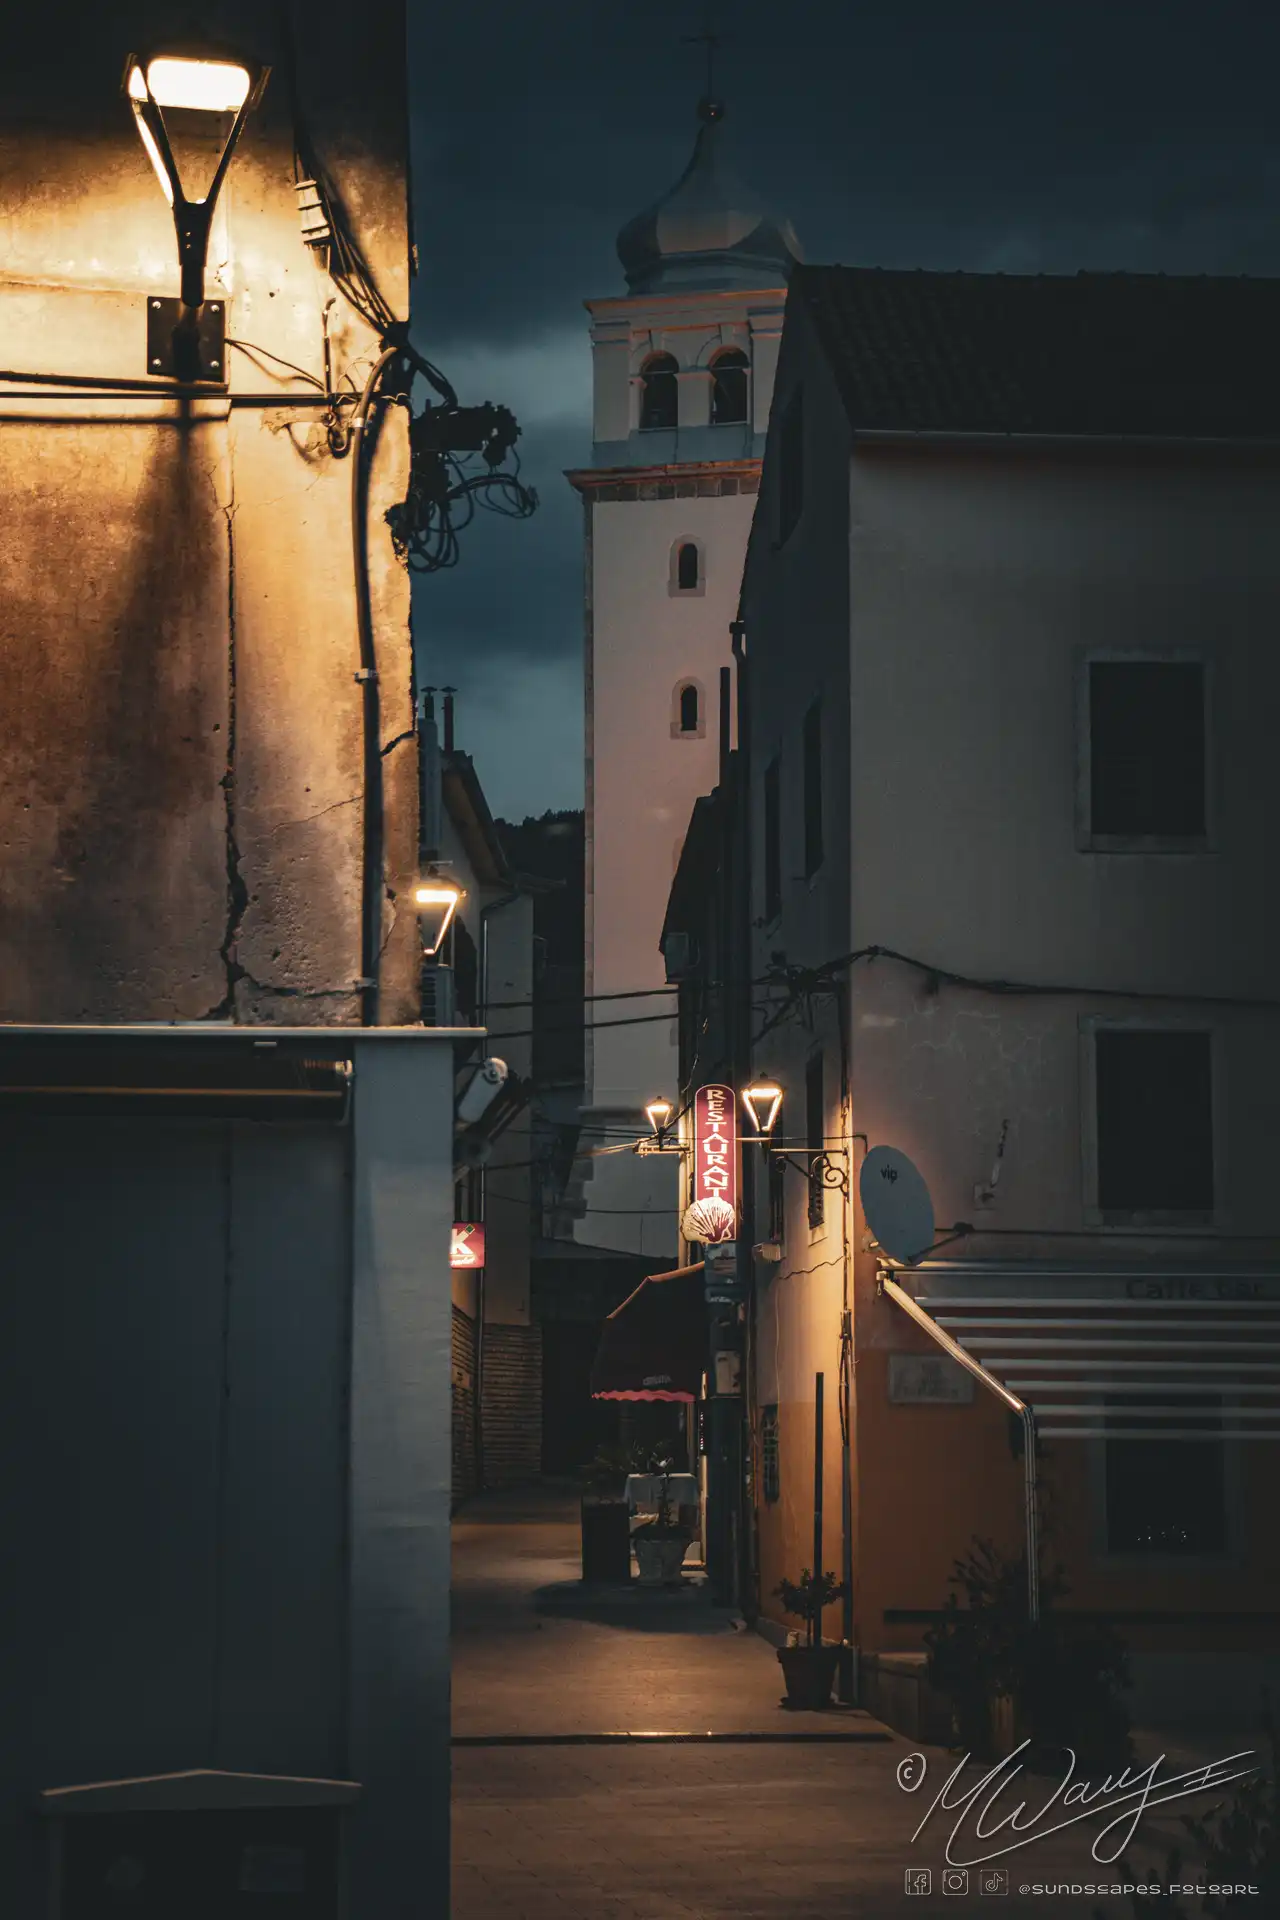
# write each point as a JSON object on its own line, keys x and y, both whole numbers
{"x": 466, "y": 1245}
{"x": 712, "y": 1214}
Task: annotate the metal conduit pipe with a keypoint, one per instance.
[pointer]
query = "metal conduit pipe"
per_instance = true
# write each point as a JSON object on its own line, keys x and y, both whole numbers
{"x": 371, "y": 878}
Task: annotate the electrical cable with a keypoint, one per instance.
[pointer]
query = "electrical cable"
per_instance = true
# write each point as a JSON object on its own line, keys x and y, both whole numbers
{"x": 249, "y": 348}
{"x": 810, "y": 980}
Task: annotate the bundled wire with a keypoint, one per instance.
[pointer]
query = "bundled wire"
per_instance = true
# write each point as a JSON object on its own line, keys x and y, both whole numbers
{"x": 456, "y": 464}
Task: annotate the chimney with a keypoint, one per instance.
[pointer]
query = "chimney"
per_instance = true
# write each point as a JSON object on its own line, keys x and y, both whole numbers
{"x": 448, "y": 717}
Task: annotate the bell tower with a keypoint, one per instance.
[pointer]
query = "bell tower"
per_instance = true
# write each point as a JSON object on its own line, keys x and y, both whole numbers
{"x": 684, "y": 367}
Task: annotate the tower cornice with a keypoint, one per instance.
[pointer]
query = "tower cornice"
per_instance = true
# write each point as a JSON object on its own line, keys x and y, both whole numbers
{"x": 686, "y": 480}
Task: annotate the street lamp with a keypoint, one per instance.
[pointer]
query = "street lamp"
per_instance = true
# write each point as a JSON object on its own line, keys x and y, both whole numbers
{"x": 437, "y": 902}
{"x": 206, "y": 92}
{"x": 659, "y": 1112}
{"x": 763, "y": 1102}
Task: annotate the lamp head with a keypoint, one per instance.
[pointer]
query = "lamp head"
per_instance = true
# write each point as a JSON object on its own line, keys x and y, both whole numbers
{"x": 763, "y": 1102}
{"x": 659, "y": 1112}
{"x": 436, "y": 900}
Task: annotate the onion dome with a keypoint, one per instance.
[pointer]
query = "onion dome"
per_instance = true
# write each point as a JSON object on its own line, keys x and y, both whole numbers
{"x": 709, "y": 232}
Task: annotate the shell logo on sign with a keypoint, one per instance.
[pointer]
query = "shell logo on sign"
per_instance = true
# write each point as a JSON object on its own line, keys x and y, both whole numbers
{"x": 466, "y": 1244}
{"x": 712, "y": 1214}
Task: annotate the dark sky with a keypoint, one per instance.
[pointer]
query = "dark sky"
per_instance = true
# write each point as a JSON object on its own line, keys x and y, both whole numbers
{"x": 1014, "y": 135}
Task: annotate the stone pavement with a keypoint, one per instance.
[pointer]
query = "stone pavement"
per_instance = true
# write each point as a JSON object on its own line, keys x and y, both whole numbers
{"x": 548, "y": 1823}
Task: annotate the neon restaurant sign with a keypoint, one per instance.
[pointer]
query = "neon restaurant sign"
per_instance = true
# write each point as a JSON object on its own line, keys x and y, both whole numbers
{"x": 712, "y": 1214}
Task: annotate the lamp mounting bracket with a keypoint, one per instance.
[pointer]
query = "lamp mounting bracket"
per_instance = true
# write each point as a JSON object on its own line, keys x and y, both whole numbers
{"x": 187, "y": 345}
{"x": 822, "y": 1167}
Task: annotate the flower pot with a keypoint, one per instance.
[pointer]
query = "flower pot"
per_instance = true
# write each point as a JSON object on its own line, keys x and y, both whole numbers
{"x": 809, "y": 1673}
{"x": 660, "y": 1559}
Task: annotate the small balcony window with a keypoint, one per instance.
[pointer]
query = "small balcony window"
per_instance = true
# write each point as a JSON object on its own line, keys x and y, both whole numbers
{"x": 659, "y": 394}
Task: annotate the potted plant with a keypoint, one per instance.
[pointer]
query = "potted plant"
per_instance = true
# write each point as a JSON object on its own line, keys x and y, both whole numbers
{"x": 808, "y": 1667}
{"x": 661, "y": 1543}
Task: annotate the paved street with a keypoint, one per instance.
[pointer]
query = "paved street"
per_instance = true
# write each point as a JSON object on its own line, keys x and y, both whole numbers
{"x": 547, "y": 1824}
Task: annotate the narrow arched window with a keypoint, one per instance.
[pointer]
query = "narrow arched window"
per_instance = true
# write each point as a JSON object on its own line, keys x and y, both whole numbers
{"x": 659, "y": 403}
{"x": 687, "y": 567}
{"x": 689, "y": 709}
{"x": 729, "y": 388}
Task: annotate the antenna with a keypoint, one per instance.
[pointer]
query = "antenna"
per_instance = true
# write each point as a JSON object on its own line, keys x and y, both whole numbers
{"x": 896, "y": 1202}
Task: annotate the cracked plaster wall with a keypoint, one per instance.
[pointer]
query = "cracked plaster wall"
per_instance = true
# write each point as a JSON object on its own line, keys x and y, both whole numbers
{"x": 180, "y": 789}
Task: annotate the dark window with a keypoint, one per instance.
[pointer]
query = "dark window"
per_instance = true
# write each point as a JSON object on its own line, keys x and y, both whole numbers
{"x": 777, "y": 1167}
{"x": 1147, "y": 748}
{"x": 466, "y": 975}
{"x": 790, "y": 465}
{"x": 1168, "y": 1496}
{"x": 687, "y": 567}
{"x": 729, "y": 388}
{"x": 772, "y": 841}
{"x": 688, "y": 709}
{"x": 815, "y": 1133}
{"x": 813, "y": 789}
{"x": 659, "y": 405}
{"x": 770, "y": 1478}
{"x": 1155, "y": 1121}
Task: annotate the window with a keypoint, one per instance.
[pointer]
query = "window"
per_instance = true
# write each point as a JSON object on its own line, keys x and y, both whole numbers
{"x": 770, "y": 1478}
{"x": 729, "y": 388}
{"x": 815, "y": 1133}
{"x": 1154, "y": 1105}
{"x": 659, "y": 402}
{"x": 772, "y": 841}
{"x": 813, "y": 790}
{"x": 776, "y": 1168}
{"x": 687, "y": 567}
{"x": 1168, "y": 1496}
{"x": 1147, "y": 750}
{"x": 688, "y": 711}
{"x": 790, "y": 466}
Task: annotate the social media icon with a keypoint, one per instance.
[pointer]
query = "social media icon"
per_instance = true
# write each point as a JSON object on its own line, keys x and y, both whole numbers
{"x": 955, "y": 1879}
{"x": 918, "y": 1880}
{"x": 993, "y": 1880}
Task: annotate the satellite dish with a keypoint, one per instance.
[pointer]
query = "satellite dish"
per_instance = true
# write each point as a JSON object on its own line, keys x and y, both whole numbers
{"x": 896, "y": 1202}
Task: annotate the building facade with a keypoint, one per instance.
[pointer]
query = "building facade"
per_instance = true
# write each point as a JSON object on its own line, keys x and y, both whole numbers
{"x": 1007, "y": 606}
{"x": 227, "y": 1156}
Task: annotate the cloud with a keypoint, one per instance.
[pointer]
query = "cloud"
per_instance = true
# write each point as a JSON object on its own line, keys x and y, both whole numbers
{"x": 523, "y": 726}
{"x": 545, "y": 380}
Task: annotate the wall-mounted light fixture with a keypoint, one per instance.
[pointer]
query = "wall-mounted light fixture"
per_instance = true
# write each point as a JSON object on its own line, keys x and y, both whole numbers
{"x": 202, "y": 97}
{"x": 659, "y": 1112}
{"x": 436, "y": 901}
{"x": 763, "y": 1102}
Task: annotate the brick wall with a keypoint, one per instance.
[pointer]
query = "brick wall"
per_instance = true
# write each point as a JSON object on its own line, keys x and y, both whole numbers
{"x": 512, "y": 1411}
{"x": 464, "y": 1406}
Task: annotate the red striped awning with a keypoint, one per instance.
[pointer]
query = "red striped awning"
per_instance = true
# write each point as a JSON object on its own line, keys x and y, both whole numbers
{"x": 654, "y": 1346}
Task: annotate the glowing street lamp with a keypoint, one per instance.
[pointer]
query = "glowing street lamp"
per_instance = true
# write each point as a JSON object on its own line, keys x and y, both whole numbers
{"x": 190, "y": 92}
{"x": 436, "y": 901}
{"x": 763, "y": 1102}
{"x": 659, "y": 1112}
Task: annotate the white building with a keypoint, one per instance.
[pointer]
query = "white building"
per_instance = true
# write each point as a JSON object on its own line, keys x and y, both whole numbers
{"x": 1026, "y": 531}
{"x": 683, "y": 378}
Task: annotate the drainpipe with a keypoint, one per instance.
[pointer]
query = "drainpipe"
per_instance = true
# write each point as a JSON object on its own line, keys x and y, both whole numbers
{"x": 744, "y": 1509}
{"x": 490, "y": 906}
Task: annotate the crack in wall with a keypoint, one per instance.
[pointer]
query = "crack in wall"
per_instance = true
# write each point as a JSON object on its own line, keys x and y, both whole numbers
{"x": 237, "y": 891}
